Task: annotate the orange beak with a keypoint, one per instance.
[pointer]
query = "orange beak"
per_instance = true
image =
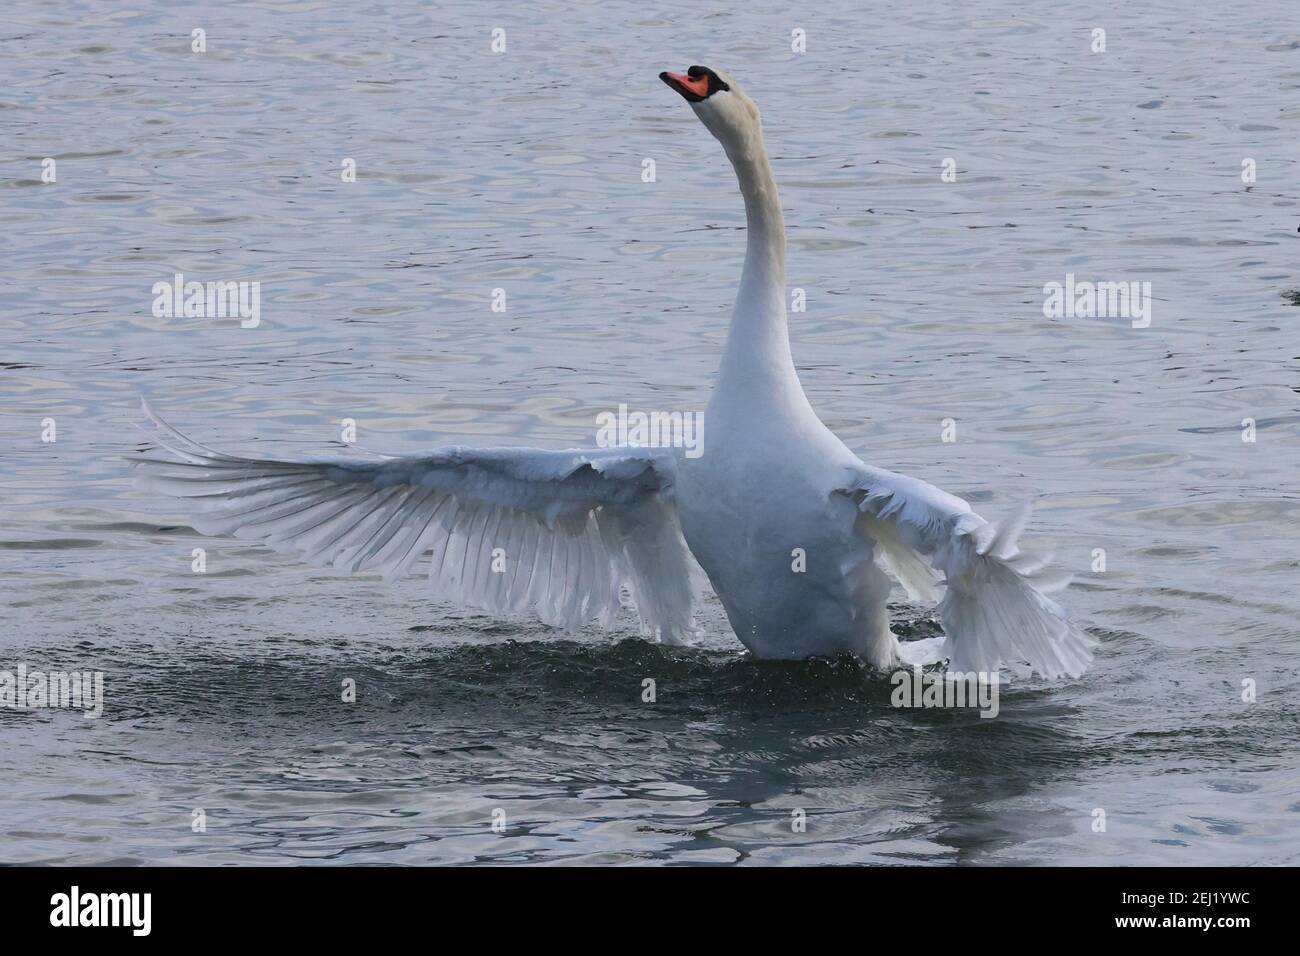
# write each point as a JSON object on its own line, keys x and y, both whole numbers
{"x": 693, "y": 88}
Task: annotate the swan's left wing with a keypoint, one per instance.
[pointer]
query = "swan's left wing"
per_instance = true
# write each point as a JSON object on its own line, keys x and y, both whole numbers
{"x": 995, "y": 609}
{"x": 510, "y": 529}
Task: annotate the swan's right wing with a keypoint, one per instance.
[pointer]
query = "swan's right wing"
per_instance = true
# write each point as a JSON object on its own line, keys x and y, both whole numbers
{"x": 510, "y": 529}
{"x": 995, "y": 607}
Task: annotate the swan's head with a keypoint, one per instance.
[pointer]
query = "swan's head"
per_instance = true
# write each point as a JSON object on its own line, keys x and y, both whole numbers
{"x": 721, "y": 105}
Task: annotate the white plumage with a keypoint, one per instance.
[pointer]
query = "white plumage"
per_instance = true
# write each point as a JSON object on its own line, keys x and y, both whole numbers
{"x": 573, "y": 527}
{"x": 563, "y": 533}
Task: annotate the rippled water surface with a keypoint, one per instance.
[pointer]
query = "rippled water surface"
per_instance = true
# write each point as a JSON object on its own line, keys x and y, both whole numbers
{"x": 523, "y": 171}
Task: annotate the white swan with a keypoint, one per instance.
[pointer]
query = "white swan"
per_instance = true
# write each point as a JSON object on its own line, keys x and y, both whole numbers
{"x": 569, "y": 529}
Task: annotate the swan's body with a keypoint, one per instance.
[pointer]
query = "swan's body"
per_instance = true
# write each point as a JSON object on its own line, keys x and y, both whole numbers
{"x": 795, "y": 533}
{"x": 749, "y": 534}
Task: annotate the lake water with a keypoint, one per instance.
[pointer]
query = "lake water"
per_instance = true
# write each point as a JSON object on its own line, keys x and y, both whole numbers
{"x": 523, "y": 171}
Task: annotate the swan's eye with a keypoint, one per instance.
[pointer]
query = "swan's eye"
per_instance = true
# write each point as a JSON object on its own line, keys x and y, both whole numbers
{"x": 715, "y": 82}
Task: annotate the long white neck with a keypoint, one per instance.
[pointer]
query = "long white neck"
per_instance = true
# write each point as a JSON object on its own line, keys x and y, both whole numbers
{"x": 757, "y": 355}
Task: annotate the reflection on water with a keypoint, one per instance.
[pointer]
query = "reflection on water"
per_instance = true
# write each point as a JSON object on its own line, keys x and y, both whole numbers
{"x": 924, "y": 303}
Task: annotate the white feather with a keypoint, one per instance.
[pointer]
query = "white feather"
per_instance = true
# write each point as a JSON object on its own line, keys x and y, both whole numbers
{"x": 566, "y": 529}
{"x": 995, "y": 610}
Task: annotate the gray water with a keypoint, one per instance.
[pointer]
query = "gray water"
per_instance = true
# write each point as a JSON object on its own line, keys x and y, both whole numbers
{"x": 522, "y": 171}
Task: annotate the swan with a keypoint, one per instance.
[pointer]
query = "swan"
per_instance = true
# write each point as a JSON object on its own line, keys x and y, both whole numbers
{"x": 800, "y": 540}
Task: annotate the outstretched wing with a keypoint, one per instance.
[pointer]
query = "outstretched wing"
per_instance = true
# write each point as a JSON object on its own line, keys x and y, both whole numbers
{"x": 509, "y": 529}
{"x": 995, "y": 609}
